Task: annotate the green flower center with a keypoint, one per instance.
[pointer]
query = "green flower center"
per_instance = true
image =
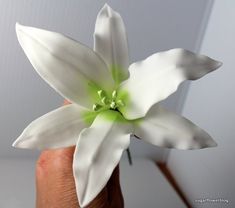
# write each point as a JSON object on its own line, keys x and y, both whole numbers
{"x": 107, "y": 102}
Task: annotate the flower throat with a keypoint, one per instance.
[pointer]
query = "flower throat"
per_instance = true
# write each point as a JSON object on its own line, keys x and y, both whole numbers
{"x": 106, "y": 102}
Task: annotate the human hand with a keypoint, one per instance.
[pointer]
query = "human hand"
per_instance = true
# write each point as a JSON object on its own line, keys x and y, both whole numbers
{"x": 55, "y": 185}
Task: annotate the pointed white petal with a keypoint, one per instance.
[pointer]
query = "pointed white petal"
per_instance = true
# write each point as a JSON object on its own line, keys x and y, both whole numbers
{"x": 59, "y": 128}
{"x": 166, "y": 129}
{"x": 98, "y": 152}
{"x": 71, "y": 68}
{"x": 110, "y": 41}
{"x": 158, "y": 76}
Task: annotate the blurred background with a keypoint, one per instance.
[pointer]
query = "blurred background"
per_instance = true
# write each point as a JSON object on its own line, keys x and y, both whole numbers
{"x": 199, "y": 178}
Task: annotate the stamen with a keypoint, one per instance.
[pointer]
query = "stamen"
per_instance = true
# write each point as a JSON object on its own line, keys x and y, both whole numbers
{"x": 114, "y": 94}
{"x": 96, "y": 107}
{"x": 101, "y": 93}
{"x": 113, "y": 105}
{"x": 104, "y": 100}
{"x": 120, "y": 103}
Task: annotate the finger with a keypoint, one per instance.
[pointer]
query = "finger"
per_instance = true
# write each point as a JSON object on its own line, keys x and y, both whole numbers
{"x": 101, "y": 200}
{"x": 55, "y": 185}
{"x": 66, "y": 102}
{"x": 50, "y": 158}
{"x": 115, "y": 196}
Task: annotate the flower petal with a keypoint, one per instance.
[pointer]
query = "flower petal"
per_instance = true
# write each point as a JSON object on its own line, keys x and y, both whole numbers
{"x": 58, "y": 128}
{"x": 71, "y": 68}
{"x": 110, "y": 41}
{"x": 158, "y": 76}
{"x": 98, "y": 152}
{"x": 166, "y": 129}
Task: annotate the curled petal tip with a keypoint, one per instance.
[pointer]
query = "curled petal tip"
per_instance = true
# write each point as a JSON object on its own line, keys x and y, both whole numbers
{"x": 19, "y": 143}
{"x": 107, "y": 9}
{"x": 210, "y": 143}
{"x": 216, "y": 64}
{"x": 18, "y": 26}
{"x": 106, "y": 5}
{"x": 219, "y": 64}
{"x": 213, "y": 144}
{"x": 15, "y": 143}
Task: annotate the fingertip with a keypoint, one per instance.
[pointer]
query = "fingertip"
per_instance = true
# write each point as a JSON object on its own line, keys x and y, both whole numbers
{"x": 66, "y": 102}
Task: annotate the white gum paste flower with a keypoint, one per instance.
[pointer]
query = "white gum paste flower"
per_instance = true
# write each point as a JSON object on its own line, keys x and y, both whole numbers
{"x": 110, "y": 99}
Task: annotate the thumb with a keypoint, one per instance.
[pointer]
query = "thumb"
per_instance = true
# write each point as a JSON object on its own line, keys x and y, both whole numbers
{"x": 115, "y": 196}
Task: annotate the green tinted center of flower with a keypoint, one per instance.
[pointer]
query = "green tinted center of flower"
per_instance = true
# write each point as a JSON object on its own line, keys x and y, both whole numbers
{"x": 107, "y": 102}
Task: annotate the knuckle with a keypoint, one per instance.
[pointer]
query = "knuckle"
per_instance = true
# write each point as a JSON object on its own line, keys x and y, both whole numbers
{"x": 52, "y": 161}
{"x": 43, "y": 163}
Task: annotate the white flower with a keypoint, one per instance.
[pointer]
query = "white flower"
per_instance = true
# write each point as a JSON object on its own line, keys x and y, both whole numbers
{"x": 110, "y": 99}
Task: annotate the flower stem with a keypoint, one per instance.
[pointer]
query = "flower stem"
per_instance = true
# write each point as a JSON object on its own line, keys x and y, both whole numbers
{"x": 129, "y": 156}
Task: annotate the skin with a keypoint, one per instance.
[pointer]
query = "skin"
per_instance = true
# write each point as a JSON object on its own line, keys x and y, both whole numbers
{"x": 55, "y": 185}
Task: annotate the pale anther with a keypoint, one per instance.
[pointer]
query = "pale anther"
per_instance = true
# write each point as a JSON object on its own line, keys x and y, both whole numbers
{"x": 101, "y": 93}
{"x": 114, "y": 94}
{"x": 113, "y": 105}
{"x": 96, "y": 107}
{"x": 104, "y": 100}
{"x": 120, "y": 103}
